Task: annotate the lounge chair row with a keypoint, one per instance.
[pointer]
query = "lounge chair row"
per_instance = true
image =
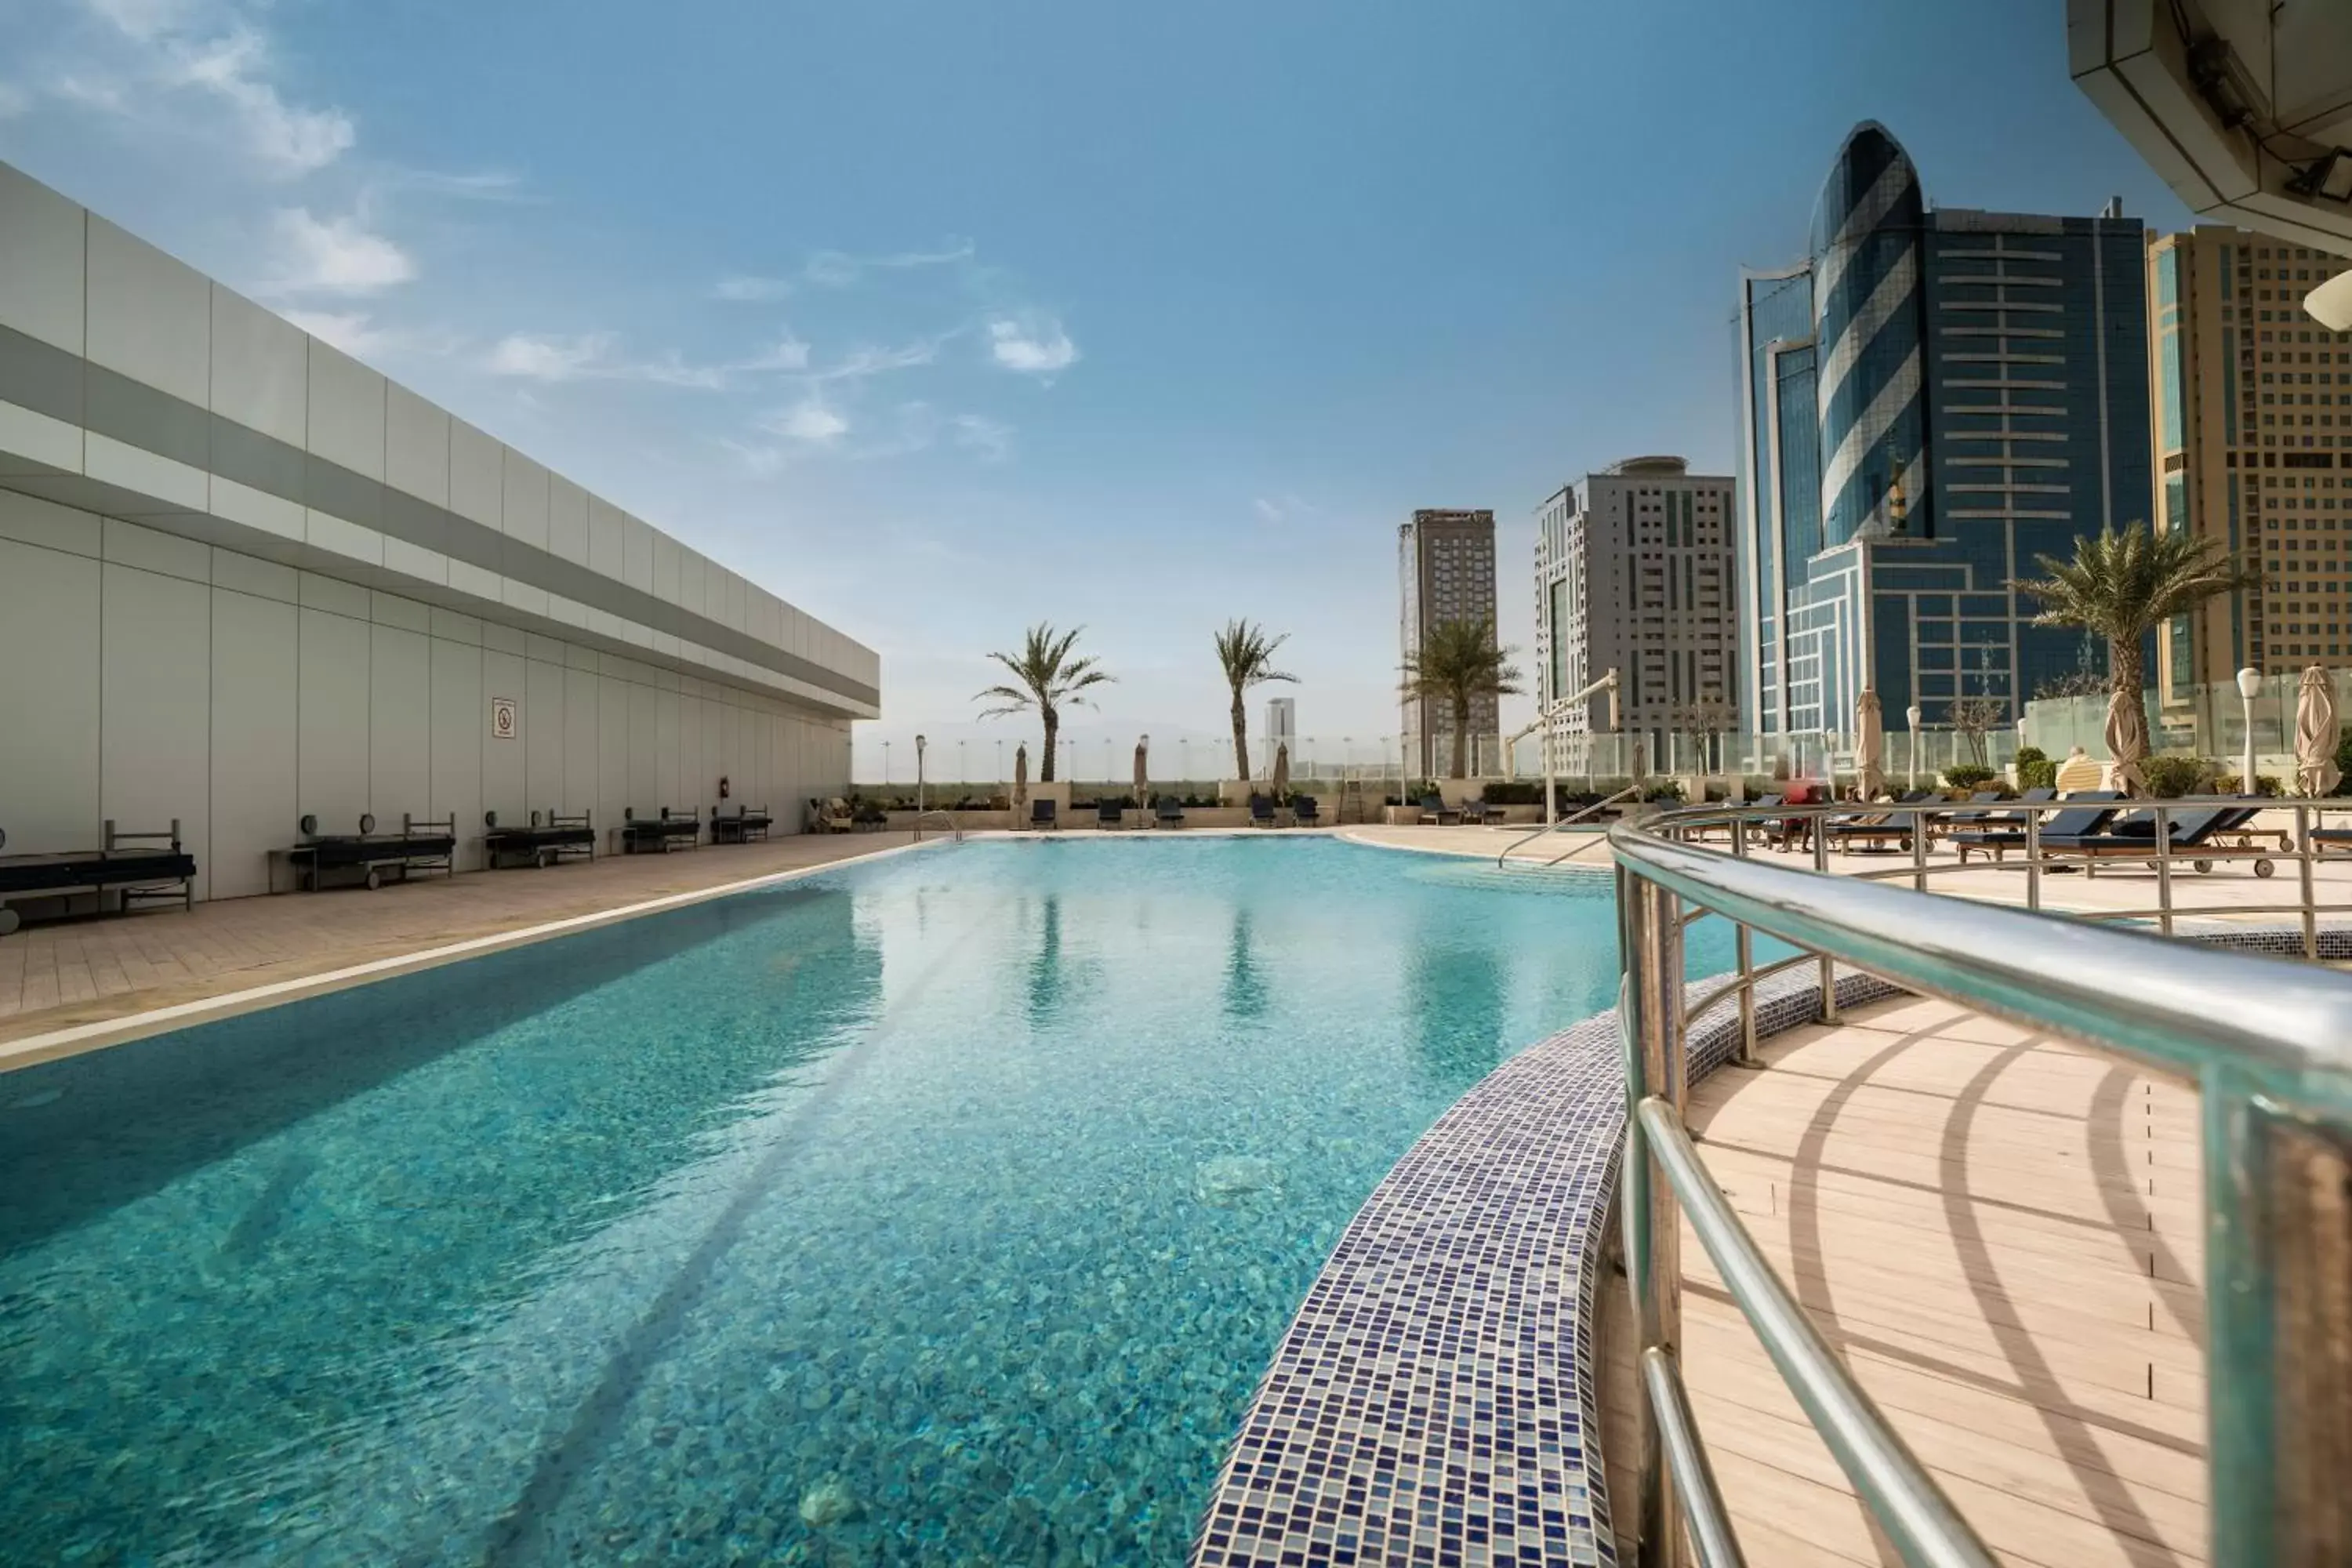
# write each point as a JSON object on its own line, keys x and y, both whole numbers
{"x": 1434, "y": 812}
{"x": 1168, "y": 812}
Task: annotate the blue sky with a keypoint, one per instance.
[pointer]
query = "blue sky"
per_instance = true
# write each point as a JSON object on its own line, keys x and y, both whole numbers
{"x": 939, "y": 319}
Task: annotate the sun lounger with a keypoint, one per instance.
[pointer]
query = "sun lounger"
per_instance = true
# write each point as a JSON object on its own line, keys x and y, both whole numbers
{"x": 1475, "y": 813}
{"x": 1305, "y": 813}
{"x": 2083, "y": 817}
{"x": 543, "y": 843}
{"x": 1111, "y": 813}
{"x": 372, "y": 855}
{"x": 746, "y": 825}
{"x": 660, "y": 834}
{"x": 1260, "y": 811}
{"x": 1168, "y": 812}
{"x": 1041, "y": 816}
{"x": 140, "y": 867}
{"x": 1433, "y": 809}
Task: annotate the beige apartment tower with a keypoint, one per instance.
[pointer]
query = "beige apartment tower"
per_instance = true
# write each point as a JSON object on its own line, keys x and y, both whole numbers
{"x": 1634, "y": 573}
{"x": 2253, "y": 405}
{"x": 1446, "y": 569}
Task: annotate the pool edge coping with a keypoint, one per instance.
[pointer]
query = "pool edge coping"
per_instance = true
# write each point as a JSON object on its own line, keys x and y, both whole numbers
{"x": 75, "y": 1039}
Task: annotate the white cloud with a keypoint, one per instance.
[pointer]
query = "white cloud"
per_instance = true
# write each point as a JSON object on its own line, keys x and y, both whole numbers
{"x": 548, "y": 358}
{"x": 1268, "y": 510}
{"x": 837, "y": 268}
{"x": 1281, "y": 509}
{"x": 334, "y": 256}
{"x": 810, "y": 421}
{"x": 1032, "y": 345}
{"x": 764, "y": 461}
{"x": 745, "y": 288}
{"x": 14, "y": 100}
{"x": 993, "y": 439}
{"x": 202, "y": 67}
{"x": 789, "y": 354}
{"x": 353, "y": 331}
{"x": 859, "y": 364}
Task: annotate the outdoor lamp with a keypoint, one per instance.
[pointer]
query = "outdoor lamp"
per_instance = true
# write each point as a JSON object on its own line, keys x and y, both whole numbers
{"x": 2249, "y": 685}
{"x": 919, "y": 743}
{"x": 1912, "y": 714}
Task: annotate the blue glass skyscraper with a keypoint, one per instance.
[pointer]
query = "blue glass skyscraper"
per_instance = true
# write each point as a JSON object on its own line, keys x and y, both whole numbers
{"x": 1928, "y": 402}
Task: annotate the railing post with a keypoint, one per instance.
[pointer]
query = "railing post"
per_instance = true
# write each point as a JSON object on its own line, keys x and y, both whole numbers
{"x": 1919, "y": 816}
{"x": 2163, "y": 869}
{"x": 1745, "y": 942}
{"x": 1819, "y": 826}
{"x": 1650, "y": 1014}
{"x": 2278, "y": 1204}
{"x": 2032, "y": 856}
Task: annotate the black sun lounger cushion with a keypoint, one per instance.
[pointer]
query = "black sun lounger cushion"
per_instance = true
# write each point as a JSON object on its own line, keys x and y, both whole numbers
{"x": 92, "y": 868}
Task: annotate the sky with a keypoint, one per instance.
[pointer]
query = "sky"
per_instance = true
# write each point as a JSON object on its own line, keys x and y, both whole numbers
{"x": 941, "y": 319}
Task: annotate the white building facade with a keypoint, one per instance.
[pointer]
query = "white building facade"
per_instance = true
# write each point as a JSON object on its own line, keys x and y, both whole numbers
{"x": 244, "y": 579}
{"x": 1634, "y": 570}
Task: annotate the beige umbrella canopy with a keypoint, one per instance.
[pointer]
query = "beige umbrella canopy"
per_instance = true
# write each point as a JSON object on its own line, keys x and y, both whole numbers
{"x": 1282, "y": 770}
{"x": 2315, "y": 773}
{"x": 1869, "y": 747}
{"x": 1142, "y": 777}
{"x": 2126, "y": 742}
{"x": 1021, "y": 777}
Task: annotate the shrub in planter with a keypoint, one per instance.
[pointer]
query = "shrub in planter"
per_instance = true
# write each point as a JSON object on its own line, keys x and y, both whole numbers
{"x": 2035, "y": 769}
{"x": 1515, "y": 791}
{"x": 1669, "y": 790}
{"x": 2229, "y": 784}
{"x": 2169, "y": 778}
{"x": 1968, "y": 775}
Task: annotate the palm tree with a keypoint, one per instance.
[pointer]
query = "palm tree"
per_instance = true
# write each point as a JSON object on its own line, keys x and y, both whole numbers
{"x": 2125, "y": 583}
{"x": 1247, "y": 654}
{"x": 1048, "y": 678}
{"x": 1458, "y": 662}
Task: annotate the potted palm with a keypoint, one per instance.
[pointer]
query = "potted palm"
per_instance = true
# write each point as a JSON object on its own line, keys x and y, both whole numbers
{"x": 1457, "y": 663}
{"x": 1047, "y": 677}
{"x": 1246, "y": 654}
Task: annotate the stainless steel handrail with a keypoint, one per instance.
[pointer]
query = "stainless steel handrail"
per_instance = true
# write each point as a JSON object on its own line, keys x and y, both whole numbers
{"x": 1569, "y": 821}
{"x": 954, "y": 826}
{"x": 2274, "y": 1066}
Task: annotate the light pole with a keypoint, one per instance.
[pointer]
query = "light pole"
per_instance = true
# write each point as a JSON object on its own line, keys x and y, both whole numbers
{"x": 1000, "y": 762}
{"x": 2249, "y": 685}
{"x": 919, "y": 775}
{"x": 962, "y": 775}
{"x": 1912, "y": 714}
{"x": 886, "y": 763}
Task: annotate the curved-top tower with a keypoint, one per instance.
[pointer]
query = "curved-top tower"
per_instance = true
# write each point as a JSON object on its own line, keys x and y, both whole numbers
{"x": 1868, "y": 324}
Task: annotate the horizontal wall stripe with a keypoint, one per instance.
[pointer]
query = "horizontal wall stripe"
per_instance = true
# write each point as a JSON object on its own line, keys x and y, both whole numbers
{"x": 54, "y": 381}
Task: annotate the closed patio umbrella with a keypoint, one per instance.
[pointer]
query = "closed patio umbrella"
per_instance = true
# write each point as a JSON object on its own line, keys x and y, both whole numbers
{"x": 1282, "y": 770}
{"x": 2315, "y": 773}
{"x": 1142, "y": 777}
{"x": 1869, "y": 747}
{"x": 1020, "y": 778}
{"x": 2126, "y": 742}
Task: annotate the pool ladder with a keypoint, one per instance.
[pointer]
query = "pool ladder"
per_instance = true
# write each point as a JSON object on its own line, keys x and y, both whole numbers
{"x": 954, "y": 826}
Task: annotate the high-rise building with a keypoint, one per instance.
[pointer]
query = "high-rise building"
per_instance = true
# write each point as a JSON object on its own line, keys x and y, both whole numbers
{"x": 1446, "y": 567}
{"x": 2251, "y": 451}
{"x": 1634, "y": 573}
{"x": 1928, "y": 402}
{"x": 1281, "y": 725}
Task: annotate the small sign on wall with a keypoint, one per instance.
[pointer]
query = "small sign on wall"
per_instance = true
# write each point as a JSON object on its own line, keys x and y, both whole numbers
{"x": 502, "y": 719}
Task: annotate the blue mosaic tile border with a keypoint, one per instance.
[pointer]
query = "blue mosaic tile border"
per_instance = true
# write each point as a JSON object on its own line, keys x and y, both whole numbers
{"x": 1433, "y": 1402}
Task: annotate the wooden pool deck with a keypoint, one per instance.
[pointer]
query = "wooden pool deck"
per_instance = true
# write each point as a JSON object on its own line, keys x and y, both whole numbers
{"x": 63, "y": 975}
{"x": 2002, "y": 1234}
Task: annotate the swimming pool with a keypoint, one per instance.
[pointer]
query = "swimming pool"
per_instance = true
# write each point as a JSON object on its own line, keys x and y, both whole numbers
{"x": 939, "y": 1209}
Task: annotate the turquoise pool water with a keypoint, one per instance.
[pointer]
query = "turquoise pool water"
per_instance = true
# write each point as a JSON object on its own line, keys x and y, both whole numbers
{"x": 941, "y": 1210}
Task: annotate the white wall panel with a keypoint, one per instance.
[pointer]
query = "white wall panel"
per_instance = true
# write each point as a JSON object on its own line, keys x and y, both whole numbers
{"x": 505, "y": 762}
{"x": 525, "y": 517}
{"x": 567, "y": 520}
{"x": 346, "y": 411}
{"x": 260, "y": 368}
{"x": 333, "y": 782}
{"x": 671, "y": 778}
{"x": 693, "y": 778}
{"x": 415, "y": 445}
{"x": 613, "y": 749}
{"x": 400, "y": 727}
{"x": 477, "y": 475}
{"x": 636, "y": 553}
{"x": 461, "y": 723}
{"x": 41, "y": 265}
{"x": 604, "y": 548}
{"x": 645, "y": 751}
{"x": 155, "y": 706}
{"x": 255, "y": 654}
{"x": 48, "y": 699}
{"x": 150, "y": 317}
{"x": 556, "y": 783}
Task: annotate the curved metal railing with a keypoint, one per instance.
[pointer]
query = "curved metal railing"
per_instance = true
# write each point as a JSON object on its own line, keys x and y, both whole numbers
{"x": 2268, "y": 1043}
{"x": 954, "y": 826}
